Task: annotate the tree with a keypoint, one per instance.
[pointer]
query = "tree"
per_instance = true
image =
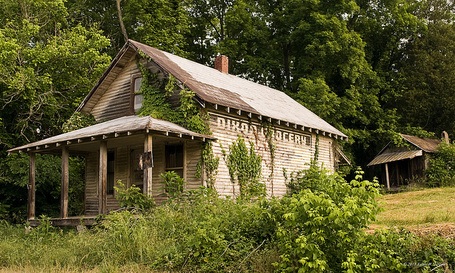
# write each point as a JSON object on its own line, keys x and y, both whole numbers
{"x": 429, "y": 72}
{"x": 46, "y": 67}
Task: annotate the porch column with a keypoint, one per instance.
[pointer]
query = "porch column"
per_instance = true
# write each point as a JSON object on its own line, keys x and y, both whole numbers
{"x": 31, "y": 187}
{"x": 65, "y": 183}
{"x": 102, "y": 180}
{"x": 148, "y": 169}
{"x": 387, "y": 175}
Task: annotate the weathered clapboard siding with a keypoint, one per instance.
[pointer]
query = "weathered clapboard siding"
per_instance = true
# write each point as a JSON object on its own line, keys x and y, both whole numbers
{"x": 294, "y": 150}
{"x": 158, "y": 167}
{"x": 115, "y": 102}
{"x": 91, "y": 184}
{"x": 192, "y": 155}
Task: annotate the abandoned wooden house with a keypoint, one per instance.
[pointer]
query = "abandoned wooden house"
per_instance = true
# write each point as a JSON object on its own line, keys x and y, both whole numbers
{"x": 235, "y": 107}
{"x": 400, "y": 165}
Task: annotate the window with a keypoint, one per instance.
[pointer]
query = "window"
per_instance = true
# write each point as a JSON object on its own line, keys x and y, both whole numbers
{"x": 137, "y": 99}
{"x": 110, "y": 172}
{"x": 174, "y": 159}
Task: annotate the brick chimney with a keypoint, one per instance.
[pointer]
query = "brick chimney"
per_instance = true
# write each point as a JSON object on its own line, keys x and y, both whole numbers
{"x": 222, "y": 64}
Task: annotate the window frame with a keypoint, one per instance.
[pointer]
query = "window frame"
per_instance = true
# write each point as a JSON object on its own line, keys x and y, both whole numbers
{"x": 132, "y": 92}
{"x": 177, "y": 168}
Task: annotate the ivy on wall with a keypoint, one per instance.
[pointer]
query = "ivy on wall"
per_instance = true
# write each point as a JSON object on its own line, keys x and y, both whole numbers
{"x": 156, "y": 103}
{"x": 209, "y": 163}
{"x": 268, "y": 133}
{"x": 245, "y": 169}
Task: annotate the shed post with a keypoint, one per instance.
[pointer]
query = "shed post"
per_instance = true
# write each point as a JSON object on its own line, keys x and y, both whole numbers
{"x": 148, "y": 145}
{"x": 31, "y": 187}
{"x": 65, "y": 183}
{"x": 387, "y": 175}
{"x": 102, "y": 180}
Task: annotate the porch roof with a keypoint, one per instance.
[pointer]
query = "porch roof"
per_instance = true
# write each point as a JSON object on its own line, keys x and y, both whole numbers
{"x": 124, "y": 126}
{"x": 395, "y": 156}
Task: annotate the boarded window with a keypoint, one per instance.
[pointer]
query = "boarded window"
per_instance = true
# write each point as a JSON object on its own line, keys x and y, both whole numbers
{"x": 174, "y": 159}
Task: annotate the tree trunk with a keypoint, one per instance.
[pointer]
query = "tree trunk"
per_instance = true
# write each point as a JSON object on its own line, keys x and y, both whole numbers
{"x": 122, "y": 26}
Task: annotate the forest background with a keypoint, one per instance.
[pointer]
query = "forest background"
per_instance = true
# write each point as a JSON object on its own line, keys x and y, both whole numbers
{"x": 370, "y": 68}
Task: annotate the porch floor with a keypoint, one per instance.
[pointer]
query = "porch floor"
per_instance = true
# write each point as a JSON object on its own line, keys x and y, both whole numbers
{"x": 68, "y": 221}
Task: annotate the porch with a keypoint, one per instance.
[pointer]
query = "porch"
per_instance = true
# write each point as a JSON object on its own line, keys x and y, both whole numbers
{"x": 134, "y": 150}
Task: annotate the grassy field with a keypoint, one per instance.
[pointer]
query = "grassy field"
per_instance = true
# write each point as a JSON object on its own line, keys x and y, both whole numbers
{"x": 415, "y": 208}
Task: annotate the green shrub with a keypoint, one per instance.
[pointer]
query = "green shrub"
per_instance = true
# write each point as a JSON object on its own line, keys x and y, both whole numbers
{"x": 318, "y": 226}
{"x": 441, "y": 170}
{"x": 132, "y": 197}
{"x": 172, "y": 184}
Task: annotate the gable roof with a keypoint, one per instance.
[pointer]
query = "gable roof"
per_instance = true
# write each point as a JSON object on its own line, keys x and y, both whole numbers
{"x": 213, "y": 86}
{"x": 386, "y": 155}
{"x": 119, "y": 127}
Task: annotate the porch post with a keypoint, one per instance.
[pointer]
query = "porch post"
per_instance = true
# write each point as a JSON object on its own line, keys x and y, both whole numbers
{"x": 31, "y": 187}
{"x": 102, "y": 180}
{"x": 65, "y": 183}
{"x": 387, "y": 175}
{"x": 148, "y": 169}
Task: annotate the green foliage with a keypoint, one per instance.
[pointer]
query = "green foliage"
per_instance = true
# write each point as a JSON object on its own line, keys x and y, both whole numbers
{"x": 132, "y": 197}
{"x": 441, "y": 169}
{"x": 156, "y": 103}
{"x": 156, "y": 98}
{"x": 173, "y": 184}
{"x": 77, "y": 121}
{"x": 245, "y": 169}
{"x": 208, "y": 165}
{"x": 319, "y": 224}
{"x": 47, "y": 68}
{"x": 320, "y": 229}
{"x": 48, "y": 182}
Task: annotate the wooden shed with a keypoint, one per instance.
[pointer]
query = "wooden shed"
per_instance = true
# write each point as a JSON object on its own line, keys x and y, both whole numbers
{"x": 399, "y": 165}
{"x": 236, "y": 107}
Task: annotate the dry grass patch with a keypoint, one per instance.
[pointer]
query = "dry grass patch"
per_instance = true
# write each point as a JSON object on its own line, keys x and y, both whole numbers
{"x": 422, "y": 207}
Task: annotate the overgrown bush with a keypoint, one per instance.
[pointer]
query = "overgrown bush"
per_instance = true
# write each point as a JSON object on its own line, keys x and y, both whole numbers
{"x": 132, "y": 197}
{"x": 319, "y": 228}
{"x": 172, "y": 184}
{"x": 318, "y": 225}
{"x": 441, "y": 170}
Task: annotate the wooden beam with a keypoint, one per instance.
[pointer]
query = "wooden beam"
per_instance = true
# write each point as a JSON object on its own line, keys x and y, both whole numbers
{"x": 148, "y": 146}
{"x": 65, "y": 183}
{"x": 387, "y": 175}
{"x": 31, "y": 187}
{"x": 102, "y": 180}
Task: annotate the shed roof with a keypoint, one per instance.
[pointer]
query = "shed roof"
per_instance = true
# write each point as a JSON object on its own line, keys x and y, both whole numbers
{"x": 394, "y": 156}
{"x": 117, "y": 127}
{"x": 421, "y": 145}
{"x": 428, "y": 145}
{"x": 227, "y": 90}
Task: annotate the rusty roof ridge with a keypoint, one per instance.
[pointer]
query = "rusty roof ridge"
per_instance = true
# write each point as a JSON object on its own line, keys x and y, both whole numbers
{"x": 418, "y": 146}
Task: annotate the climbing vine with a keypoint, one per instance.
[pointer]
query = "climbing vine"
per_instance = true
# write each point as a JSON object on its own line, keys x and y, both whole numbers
{"x": 209, "y": 163}
{"x": 156, "y": 103}
{"x": 268, "y": 133}
{"x": 245, "y": 167}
